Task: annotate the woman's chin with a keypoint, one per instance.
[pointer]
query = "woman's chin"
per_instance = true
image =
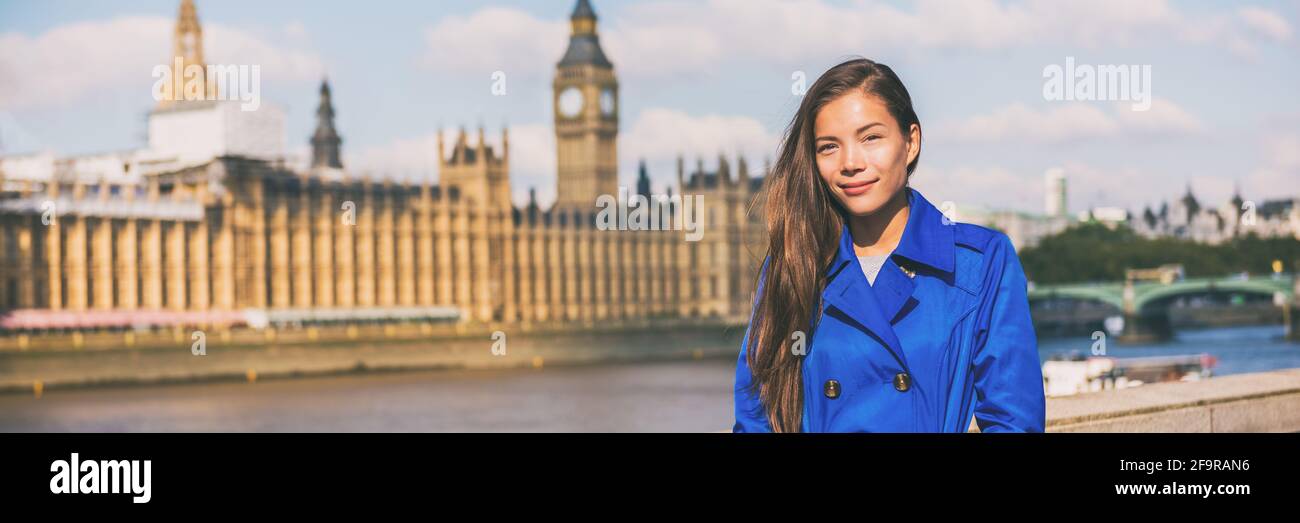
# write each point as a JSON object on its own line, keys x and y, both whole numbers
{"x": 862, "y": 205}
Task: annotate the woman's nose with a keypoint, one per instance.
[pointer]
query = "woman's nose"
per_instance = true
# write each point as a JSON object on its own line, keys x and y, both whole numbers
{"x": 854, "y": 162}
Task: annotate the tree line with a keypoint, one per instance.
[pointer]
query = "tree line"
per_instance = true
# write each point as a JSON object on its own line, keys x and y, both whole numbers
{"x": 1092, "y": 251}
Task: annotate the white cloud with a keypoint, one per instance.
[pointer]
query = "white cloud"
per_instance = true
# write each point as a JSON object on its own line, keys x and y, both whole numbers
{"x": 980, "y": 186}
{"x": 226, "y": 45}
{"x": 1266, "y": 22}
{"x": 74, "y": 61}
{"x": 666, "y": 38}
{"x": 1065, "y": 122}
{"x": 1101, "y": 23}
{"x": 665, "y": 133}
{"x": 1019, "y": 122}
{"x": 803, "y": 31}
{"x": 414, "y": 158}
{"x": 1164, "y": 118}
{"x": 495, "y": 39}
{"x": 1241, "y": 32}
{"x": 71, "y": 61}
{"x": 1279, "y": 173}
{"x": 660, "y": 135}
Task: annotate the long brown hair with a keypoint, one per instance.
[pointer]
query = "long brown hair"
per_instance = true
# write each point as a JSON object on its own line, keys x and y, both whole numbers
{"x": 804, "y": 224}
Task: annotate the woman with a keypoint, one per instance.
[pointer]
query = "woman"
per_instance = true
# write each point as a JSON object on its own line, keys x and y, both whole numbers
{"x": 874, "y": 312}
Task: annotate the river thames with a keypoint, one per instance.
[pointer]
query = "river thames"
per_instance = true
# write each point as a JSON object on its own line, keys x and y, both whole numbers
{"x": 693, "y": 395}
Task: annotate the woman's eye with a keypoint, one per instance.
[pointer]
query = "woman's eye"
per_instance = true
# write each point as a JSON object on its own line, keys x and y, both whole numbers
{"x": 825, "y": 148}
{"x": 871, "y": 138}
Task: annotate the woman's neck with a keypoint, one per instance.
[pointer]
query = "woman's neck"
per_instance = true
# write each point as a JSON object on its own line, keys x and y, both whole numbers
{"x": 879, "y": 233}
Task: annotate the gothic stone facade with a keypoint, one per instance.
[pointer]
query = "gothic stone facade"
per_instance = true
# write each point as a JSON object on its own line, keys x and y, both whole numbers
{"x": 205, "y": 243}
{"x": 267, "y": 238}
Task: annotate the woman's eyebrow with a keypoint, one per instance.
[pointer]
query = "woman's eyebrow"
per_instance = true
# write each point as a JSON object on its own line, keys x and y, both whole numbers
{"x": 860, "y": 130}
{"x": 864, "y": 128}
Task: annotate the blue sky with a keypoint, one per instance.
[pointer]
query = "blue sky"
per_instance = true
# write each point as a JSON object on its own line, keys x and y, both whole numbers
{"x": 705, "y": 77}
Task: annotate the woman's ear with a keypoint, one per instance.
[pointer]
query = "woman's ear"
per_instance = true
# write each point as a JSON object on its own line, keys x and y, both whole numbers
{"x": 913, "y": 143}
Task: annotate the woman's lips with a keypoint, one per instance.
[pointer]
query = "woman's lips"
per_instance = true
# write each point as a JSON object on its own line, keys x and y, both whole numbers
{"x": 858, "y": 188}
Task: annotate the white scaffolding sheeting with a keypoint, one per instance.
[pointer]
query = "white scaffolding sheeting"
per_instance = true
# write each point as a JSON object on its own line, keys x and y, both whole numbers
{"x": 336, "y": 315}
{"x": 163, "y": 209}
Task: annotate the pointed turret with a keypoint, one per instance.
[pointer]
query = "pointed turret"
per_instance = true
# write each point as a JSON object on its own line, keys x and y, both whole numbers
{"x": 643, "y": 180}
{"x": 584, "y": 45}
{"x": 325, "y": 142}
{"x": 1189, "y": 202}
{"x": 681, "y": 174}
{"x": 187, "y": 50}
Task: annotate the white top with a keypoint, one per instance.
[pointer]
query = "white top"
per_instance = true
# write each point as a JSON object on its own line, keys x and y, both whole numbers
{"x": 871, "y": 266}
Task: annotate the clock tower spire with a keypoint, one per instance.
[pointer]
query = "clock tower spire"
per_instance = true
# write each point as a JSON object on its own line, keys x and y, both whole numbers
{"x": 187, "y": 53}
{"x": 586, "y": 117}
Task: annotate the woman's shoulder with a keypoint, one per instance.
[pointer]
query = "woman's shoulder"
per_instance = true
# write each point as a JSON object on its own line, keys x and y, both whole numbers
{"x": 980, "y": 238}
{"x": 983, "y": 254}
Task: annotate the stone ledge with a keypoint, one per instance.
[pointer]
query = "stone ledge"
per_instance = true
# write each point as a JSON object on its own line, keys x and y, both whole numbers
{"x": 1258, "y": 402}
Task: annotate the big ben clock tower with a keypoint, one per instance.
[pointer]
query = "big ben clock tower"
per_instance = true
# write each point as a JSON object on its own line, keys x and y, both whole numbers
{"x": 586, "y": 117}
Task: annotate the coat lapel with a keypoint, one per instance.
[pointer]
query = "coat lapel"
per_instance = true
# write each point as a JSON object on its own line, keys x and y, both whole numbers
{"x": 927, "y": 241}
{"x": 893, "y": 289}
{"x": 849, "y": 292}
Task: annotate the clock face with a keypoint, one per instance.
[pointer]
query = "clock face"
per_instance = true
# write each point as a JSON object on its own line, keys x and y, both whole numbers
{"x": 607, "y": 104}
{"x": 570, "y": 102}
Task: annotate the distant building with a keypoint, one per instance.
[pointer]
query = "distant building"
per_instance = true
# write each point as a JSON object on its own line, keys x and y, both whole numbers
{"x": 1025, "y": 229}
{"x": 1184, "y": 218}
{"x": 1187, "y": 218}
{"x": 1109, "y": 216}
{"x": 208, "y": 225}
{"x": 1055, "y": 202}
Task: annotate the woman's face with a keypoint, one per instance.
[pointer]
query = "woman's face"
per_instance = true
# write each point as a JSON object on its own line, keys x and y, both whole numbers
{"x": 861, "y": 154}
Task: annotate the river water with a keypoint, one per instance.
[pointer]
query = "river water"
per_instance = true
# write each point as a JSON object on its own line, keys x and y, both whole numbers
{"x": 692, "y": 395}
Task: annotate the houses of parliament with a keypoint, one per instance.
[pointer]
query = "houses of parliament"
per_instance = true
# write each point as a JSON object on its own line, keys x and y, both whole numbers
{"x": 208, "y": 226}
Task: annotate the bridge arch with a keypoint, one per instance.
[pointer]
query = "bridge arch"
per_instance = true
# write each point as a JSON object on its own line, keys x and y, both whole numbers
{"x": 1108, "y": 294}
{"x": 1146, "y": 305}
{"x": 1155, "y": 299}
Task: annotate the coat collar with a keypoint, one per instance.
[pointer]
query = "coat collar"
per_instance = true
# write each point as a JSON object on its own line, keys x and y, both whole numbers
{"x": 928, "y": 237}
{"x": 926, "y": 240}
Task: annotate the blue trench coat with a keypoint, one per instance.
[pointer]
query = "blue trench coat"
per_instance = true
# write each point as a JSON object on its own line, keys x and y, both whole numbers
{"x": 943, "y": 335}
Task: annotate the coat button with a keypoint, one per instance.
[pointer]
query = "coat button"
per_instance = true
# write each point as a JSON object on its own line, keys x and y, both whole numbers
{"x": 902, "y": 382}
{"x": 832, "y": 389}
